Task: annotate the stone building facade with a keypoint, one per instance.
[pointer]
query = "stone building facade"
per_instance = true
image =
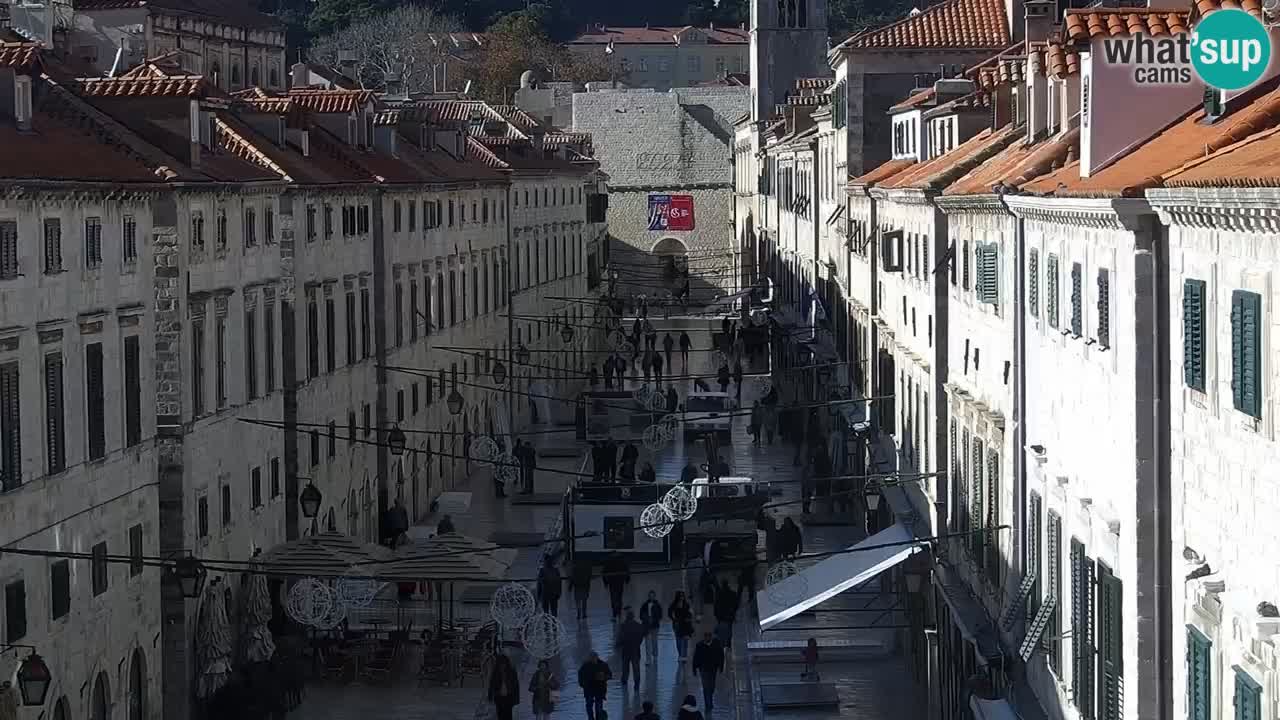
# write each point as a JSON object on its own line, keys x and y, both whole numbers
{"x": 662, "y": 58}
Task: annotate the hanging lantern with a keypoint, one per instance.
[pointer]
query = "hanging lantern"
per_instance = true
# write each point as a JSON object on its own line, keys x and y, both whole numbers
{"x": 499, "y": 373}
{"x": 34, "y": 680}
{"x": 656, "y": 521}
{"x": 396, "y": 440}
{"x": 310, "y": 499}
{"x": 190, "y": 574}
{"x": 522, "y": 354}
{"x": 455, "y": 402}
{"x": 566, "y": 333}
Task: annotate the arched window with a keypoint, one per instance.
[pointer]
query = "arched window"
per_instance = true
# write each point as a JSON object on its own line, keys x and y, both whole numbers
{"x": 138, "y": 686}
{"x": 215, "y": 72}
{"x": 791, "y": 13}
{"x": 804, "y": 13}
{"x": 782, "y": 13}
{"x": 62, "y": 711}
{"x": 273, "y": 77}
{"x": 235, "y": 75}
{"x": 255, "y": 74}
{"x": 100, "y": 708}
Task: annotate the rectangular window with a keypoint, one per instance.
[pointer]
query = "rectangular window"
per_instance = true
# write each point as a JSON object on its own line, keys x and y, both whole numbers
{"x": 428, "y": 319}
{"x": 366, "y": 415}
{"x": 10, "y": 427}
{"x": 1083, "y": 680}
{"x": 453, "y": 297}
{"x": 400, "y": 406}
{"x": 395, "y": 215}
{"x": 1248, "y": 697}
{"x": 226, "y": 506}
{"x": 311, "y": 223}
{"x": 250, "y": 227}
{"x": 15, "y": 612}
{"x": 59, "y": 589}
{"x": 1033, "y": 283}
{"x": 1051, "y": 291}
{"x": 197, "y": 367}
{"x": 1110, "y": 645}
{"x": 366, "y": 330}
{"x": 269, "y": 347}
{"x": 398, "y": 304}
{"x": 275, "y": 477}
{"x": 989, "y": 274}
{"x": 221, "y": 230}
{"x": 1246, "y": 352}
{"x": 413, "y": 215}
{"x": 362, "y": 219}
{"x": 255, "y": 486}
{"x": 330, "y": 334}
{"x": 136, "y": 565}
{"x": 413, "y": 311}
{"x": 1035, "y": 554}
{"x": 52, "y": 246}
{"x": 351, "y": 327}
{"x": 132, "y": 392}
{"x": 98, "y": 566}
{"x": 413, "y": 399}
{"x": 328, "y": 221}
{"x": 1053, "y": 579}
{"x": 92, "y": 242}
{"x": 333, "y": 438}
{"x": 251, "y": 353}
{"x": 977, "y": 520}
{"x": 1077, "y": 299}
{"x": 202, "y": 516}
{"x": 55, "y": 444}
{"x": 95, "y": 402}
{"x": 8, "y": 250}
{"x": 269, "y": 225}
{"x": 314, "y": 436}
{"x": 1193, "y": 334}
{"x": 220, "y": 348}
{"x": 313, "y": 335}
{"x": 1104, "y": 308}
{"x": 993, "y": 564}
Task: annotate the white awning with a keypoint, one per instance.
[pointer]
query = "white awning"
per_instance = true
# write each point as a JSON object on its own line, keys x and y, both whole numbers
{"x": 992, "y": 709}
{"x": 834, "y": 575}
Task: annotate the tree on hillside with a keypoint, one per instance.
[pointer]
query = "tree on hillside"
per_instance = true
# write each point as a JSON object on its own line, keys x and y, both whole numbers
{"x": 394, "y": 44}
{"x": 517, "y": 42}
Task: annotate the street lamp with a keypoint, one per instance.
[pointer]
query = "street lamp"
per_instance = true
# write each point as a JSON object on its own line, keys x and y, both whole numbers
{"x": 396, "y": 440}
{"x": 499, "y": 373}
{"x": 566, "y": 333}
{"x": 310, "y": 499}
{"x": 190, "y": 574}
{"x": 455, "y": 402}
{"x": 873, "y": 500}
{"x": 913, "y": 581}
{"x": 34, "y": 680}
{"x": 522, "y": 354}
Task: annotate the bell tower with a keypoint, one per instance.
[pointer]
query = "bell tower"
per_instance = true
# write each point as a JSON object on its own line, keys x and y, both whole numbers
{"x": 788, "y": 41}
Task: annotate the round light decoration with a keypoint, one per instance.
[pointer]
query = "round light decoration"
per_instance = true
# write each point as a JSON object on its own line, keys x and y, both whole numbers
{"x": 680, "y": 503}
{"x": 542, "y": 636}
{"x": 337, "y": 613}
{"x": 505, "y": 468}
{"x": 656, "y": 402}
{"x": 354, "y": 592}
{"x": 485, "y": 449}
{"x": 763, "y": 385}
{"x": 785, "y": 584}
{"x": 511, "y": 606}
{"x": 309, "y": 601}
{"x": 670, "y": 424}
{"x": 656, "y": 521}
{"x": 654, "y": 439}
{"x": 618, "y": 341}
{"x": 642, "y": 394}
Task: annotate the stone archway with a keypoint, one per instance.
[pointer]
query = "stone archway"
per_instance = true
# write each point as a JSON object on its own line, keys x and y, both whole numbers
{"x": 100, "y": 708}
{"x": 670, "y": 246}
{"x": 138, "y": 686}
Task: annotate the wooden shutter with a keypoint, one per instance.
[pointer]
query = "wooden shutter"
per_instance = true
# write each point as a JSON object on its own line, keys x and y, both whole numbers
{"x": 1035, "y": 554}
{"x": 993, "y": 518}
{"x": 989, "y": 274}
{"x": 976, "y": 518}
{"x": 1110, "y": 645}
{"x": 1033, "y": 283}
{"x": 15, "y": 611}
{"x": 94, "y": 401}
{"x": 1199, "y": 676}
{"x": 1051, "y": 291}
{"x": 55, "y": 446}
{"x": 1246, "y": 359}
{"x": 962, "y": 488}
{"x": 10, "y": 427}
{"x": 1082, "y": 676}
{"x": 1053, "y": 578}
{"x": 964, "y": 274}
{"x": 1077, "y": 300}
{"x": 1193, "y": 339}
{"x": 1248, "y": 697}
{"x": 1104, "y": 308}
{"x": 132, "y": 392}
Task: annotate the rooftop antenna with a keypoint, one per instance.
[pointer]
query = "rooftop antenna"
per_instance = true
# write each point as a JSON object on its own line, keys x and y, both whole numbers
{"x": 115, "y": 65}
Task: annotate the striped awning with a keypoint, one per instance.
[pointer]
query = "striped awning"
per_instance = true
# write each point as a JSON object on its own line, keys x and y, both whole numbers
{"x": 451, "y": 557}
{"x": 328, "y": 554}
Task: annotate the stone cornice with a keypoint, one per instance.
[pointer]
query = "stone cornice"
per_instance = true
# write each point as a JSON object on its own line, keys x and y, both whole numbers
{"x": 1251, "y": 210}
{"x": 905, "y": 196}
{"x": 971, "y": 204}
{"x": 1098, "y": 213}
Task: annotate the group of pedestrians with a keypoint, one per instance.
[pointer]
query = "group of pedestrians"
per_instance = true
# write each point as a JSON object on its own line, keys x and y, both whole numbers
{"x": 638, "y": 639}
{"x": 611, "y": 462}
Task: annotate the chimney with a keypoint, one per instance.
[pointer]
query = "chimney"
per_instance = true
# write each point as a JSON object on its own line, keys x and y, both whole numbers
{"x": 198, "y": 128}
{"x": 1037, "y": 92}
{"x": 1001, "y": 106}
{"x": 711, "y": 26}
{"x": 1039, "y": 17}
{"x": 952, "y": 88}
{"x": 299, "y": 75}
{"x": 1015, "y": 16}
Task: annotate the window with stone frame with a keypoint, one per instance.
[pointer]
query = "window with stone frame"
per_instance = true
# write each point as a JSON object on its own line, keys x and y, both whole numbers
{"x": 10, "y": 427}
{"x": 250, "y": 227}
{"x": 15, "y": 611}
{"x": 92, "y": 242}
{"x": 1103, "y": 324}
{"x": 366, "y": 328}
{"x": 98, "y": 569}
{"x": 398, "y": 317}
{"x": 1051, "y": 291}
{"x": 227, "y": 513}
{"x": 197, "y": 231}
{"x": 59, "y": 589}
{"x": 220, "y": 358}
{"x": 1077, "y": 299}
{"x": 221, "y": 231}
{"x": 202, "y": 516}
{"x": 9, "y": 265}
{"x": 95, "y": 402}
{"x": 54, "y": 413}
{"x": 255, "y": 487}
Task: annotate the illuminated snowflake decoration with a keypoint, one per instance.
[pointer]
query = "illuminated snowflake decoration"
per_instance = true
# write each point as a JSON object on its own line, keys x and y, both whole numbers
{"x": 542, "y": 636}
{"x": 357, "y": 593}
{"x": 642, "y": 394}
{"x": 656, "y": 521}
{"x": 763, "y": 385}
{"x": 680, "y": 503}
{"x": 656, "y": 402}
{"x": 619, "y": 342}
{"x": 337, "y": 613}
{"x": 670, "y": 424}
{"x": 654, "y": 438}
{"x": 485, "y": 449}
{"x": 506, "y": 469}
{"x": 511, "y": 606}
{"x": 309, "y": 601}
{"x": 785, "y": 584}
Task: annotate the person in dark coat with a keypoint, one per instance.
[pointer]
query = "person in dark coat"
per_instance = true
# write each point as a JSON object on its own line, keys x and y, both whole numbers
{"x": 790, "y": 541}
{"x": 611, "y": 458}
{"x": 530, "y": 467}
{"x": 630, "y": 637}
{"x": 647, "y": 713}
{"x": 542, "y": 687}
{"x": 685, "y": 346}
{"x": 608, "y": 373}
{"x": 445, "y": 526}
{"x": 648, "y": 474}
{"x": 706, "y": 592}
{"x": 581, "y": 581}
{"x": 681, "y": 615}
{"x": 673, "y": 399}
{"x": 637, "y": 329}
{"x": 656, "y": 362}
{"x": 549, "y": 587}
{"x": 689, "y": 709}
{"x": 747, "y": 582}
{"x": 708, "y": 661}
{"x": 689, "y": 473}
{"x": 616, "y": 577}
{"x": 504, "y": 687}
{"x": 722, "y": 377}
{"x": 668, "y": 344}
{"x": 726, "y": 613}
{"x": 597, "y": 461}
{"x": 737, "y": 378}
{"x": 651, "y": 617}
{"x": 593, "y": 677}
{"x": 630, "y": 453}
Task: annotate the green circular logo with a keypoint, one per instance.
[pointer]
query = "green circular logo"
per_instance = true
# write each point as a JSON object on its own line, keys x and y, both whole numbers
{"x": 1230, "y": 49}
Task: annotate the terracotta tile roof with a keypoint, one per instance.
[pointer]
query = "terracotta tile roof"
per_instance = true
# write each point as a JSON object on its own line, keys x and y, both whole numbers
{"x": 972, "y": 24}
{"x": 1086, "y": 24}
{"x": 1061, "y": 62}
{"x": 517, "y": 117}
{"x": 1253, "y": 162}
{"x": 556, "y": 139}
{"x": 19, "y": 55}
{"x": 729, "y": 80}
{"x": 943, "y": 170}
{"x": 885, "y": 171}
{"x": 1012, "y": 57}
{"x": 467, "y": 111}
{"x": 814, "y": 83}
{"x": 1204, "y": 7}
{"x": 1018, "y": 164}
{"x": 478, "y": 151}
{"x": 173, "y": 86}
{"x": 1183, "y": 141}
{"x": 66, "y": 146}
{"x": 331, "y": 101}
{"x": 658, "y": 36}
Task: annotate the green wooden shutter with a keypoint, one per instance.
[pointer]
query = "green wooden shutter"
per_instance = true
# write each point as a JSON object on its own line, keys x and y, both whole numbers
{"x": 1033, "y": 283}
{"x": 1193, "y": 340}
{"x": 962, "y": 491}
{"x": 1051, "y": 290}
{"x": 976, "y": 518}
{"x": 1053, "y": 576}
{"x": 1246, "y": 358}
{"x": 1104, "y": 308}
{"x": 955, "y": 474}
{"x": 1035, "y": 555}
{"x": 1199, "y": 677}
{"x": 1110, "y": 645}
{"x": 989, "y": 273}
{"x": 1248, "y": 699}
{"x": 1077, "y": 300}
{"x": 1082, "y": 677}
{"x": 993, "y": 563}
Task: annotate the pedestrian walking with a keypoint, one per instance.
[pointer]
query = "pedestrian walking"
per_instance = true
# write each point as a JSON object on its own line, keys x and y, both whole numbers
{"x": 530, "y": 467}
{"x": 544, "y": 691}
{"x": 646, "y": 712}
{"x": 504, "y": 686}
{"x": 616, "y": 577}
{"x": 593, "y": 677}
{"x": 706, "y": 591}
{"x": 651, "y": 617}
{"x": 650, "y": 336}
{"x": 810, "y": 655}
{"x": 608, "y": 373}
{"x": 668, "y": 343}
{"x": 620, "y": 369}
{"x": 631, "y": 636}
{"x": 737, "y": 378}
{"x": 597, "y": 461}
{"x": 806, "y": 487}
{"x": 549, "y": 587}
{"x": 673, "y": 398}
{"x": 656, "y": 362}
{"x": 689, "y": 709}
{"x": 648, "y": 474}
{"x": 790, "y": 541}
{"x": 756, "y": 424}
{"x": 722, "y": 377}
{"x": 581, "y": 581}
{"x": 685, "y": 345}
{"x": 708, "y": 661}
{"x": 726, "y": 612}
{"x": 681, "y": 616}
{"x": 770, "y": 422}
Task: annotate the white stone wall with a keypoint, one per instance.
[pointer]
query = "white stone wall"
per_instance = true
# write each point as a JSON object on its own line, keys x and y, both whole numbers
{"x": 91, "y": 501}
{"x": 712, "y": 233}
{"x": 1223, "y": 460}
